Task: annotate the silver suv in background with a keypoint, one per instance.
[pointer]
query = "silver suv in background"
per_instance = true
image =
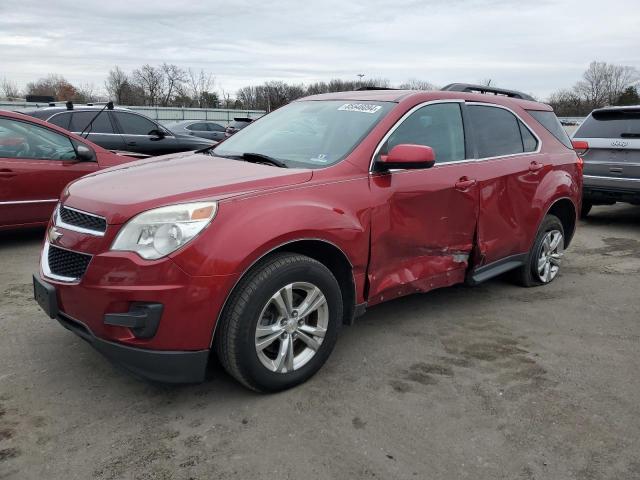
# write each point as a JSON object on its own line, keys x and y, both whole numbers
{"x": 611, "y": 157}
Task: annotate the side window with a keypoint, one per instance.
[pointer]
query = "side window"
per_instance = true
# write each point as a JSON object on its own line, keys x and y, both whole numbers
{"x": 132, "y": 124}
{"x": 214, "y": 127}
{"x": 61, "y": 120}
{"x": 438, "y": 126}
{"x": 197, "y": 127}
{"x": 496, "y": 131}
{"x": 101, "y": 124}
{"x": 529, "y": 142}
{"x": 25, "y": 140}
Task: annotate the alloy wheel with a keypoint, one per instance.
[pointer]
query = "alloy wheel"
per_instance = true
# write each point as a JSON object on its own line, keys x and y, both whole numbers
{"x": 291, "y": 327}
{"x": 550, "y": 256}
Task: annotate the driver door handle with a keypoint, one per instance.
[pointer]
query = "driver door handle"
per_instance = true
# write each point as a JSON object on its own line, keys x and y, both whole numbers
{"x": 465, "y": 183}
{"x": 535, "y": 166}
{"x": 7, "y": 173}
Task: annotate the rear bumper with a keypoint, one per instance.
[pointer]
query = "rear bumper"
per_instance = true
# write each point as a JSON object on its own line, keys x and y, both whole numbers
{"x": 156, "y": 365}
{"x": 611, "y": 189}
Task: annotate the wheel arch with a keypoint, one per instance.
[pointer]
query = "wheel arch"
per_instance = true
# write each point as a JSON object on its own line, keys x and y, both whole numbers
{"x": 325, "y": 252}
{"x": 566, "y": 210}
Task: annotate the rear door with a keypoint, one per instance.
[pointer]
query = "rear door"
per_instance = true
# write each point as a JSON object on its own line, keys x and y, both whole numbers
{"x": 36, "y": 163}
{"x": 101, "y": 131}
{"x": 423, "y": 222}
{"x": 613, "y": 158}
{"x": 136, "y": 132}
{"x": 509, "y": 169}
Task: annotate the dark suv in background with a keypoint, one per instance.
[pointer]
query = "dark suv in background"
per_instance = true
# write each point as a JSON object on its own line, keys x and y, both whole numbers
{"x": 120, "y": 129}
{"x": 238, "y": 124}
{"x": 610, "y": 138}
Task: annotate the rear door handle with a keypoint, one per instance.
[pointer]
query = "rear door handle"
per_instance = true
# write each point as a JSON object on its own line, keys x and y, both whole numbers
{"x": 7, "y": 173}
{"x": 465, "y": 183}
{"x": 132, "y": 144}
{"x": 535, "y": 166}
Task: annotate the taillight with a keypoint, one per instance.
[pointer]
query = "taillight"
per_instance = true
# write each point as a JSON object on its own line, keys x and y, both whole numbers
{"x": 580, "y": 146}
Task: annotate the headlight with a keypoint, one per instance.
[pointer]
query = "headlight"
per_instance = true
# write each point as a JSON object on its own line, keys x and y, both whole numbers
{"x": 157, "y": 233}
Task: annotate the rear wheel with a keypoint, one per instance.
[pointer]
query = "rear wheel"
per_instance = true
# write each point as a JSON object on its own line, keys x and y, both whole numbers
{"x": 281, "y": 323}
{"x": 543, "y": 262}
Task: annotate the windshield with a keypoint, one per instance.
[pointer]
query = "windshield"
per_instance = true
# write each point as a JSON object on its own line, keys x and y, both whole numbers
{"x": 308, "y": 134}
{"x": 611, "y": 124}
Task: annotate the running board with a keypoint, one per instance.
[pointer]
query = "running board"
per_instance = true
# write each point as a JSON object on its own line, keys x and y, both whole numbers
{"x": 484, "y": 273}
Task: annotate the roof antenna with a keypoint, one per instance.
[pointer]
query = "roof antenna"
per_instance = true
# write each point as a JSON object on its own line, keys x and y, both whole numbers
{"x": 108, "y": 105}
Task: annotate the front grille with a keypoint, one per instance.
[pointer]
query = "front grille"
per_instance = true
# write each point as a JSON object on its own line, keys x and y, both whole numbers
{"x": 76, "y": 218}
{"x": 66, "y": 263}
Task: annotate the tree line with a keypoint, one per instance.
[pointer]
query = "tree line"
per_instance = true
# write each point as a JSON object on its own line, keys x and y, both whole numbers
{"x": 169, "y": 85}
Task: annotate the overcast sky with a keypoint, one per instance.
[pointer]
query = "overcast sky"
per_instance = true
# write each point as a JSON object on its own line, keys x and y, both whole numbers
{"x": 537, "y": 46}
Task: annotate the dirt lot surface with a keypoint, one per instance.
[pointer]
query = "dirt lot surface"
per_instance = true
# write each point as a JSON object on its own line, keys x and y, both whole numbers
{"x": 478, "y": 383}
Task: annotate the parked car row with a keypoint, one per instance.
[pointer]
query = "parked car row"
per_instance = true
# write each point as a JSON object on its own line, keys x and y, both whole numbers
{"x": 260, "y": 248}
{"x": 121, "y": 129}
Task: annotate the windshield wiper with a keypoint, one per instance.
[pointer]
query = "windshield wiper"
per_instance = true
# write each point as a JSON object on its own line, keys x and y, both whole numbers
{"x": 260, "y": 158}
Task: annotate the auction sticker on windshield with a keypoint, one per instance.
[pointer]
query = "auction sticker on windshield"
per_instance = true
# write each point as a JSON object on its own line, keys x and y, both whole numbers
{"x": 359, "y": 107}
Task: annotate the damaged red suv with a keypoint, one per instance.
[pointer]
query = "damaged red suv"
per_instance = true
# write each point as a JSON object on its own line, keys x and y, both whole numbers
{"x": 260, "y": 248}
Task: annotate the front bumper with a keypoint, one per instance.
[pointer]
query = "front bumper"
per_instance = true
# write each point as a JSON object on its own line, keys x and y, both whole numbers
{"x": 157, "y": 365}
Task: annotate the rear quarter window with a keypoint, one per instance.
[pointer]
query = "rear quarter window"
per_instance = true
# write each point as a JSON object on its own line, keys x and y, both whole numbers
{"x": 496, "y": 130}
{"x": 551, "y": 123}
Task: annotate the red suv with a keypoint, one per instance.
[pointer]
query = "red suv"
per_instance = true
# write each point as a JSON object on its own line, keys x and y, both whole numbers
{"x": 262, "y": 247}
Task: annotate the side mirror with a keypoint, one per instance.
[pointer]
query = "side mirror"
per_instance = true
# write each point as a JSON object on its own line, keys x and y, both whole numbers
{"x": 84, "y": 153}
{"x": 408, "y": 156}
{"x": 158, "y": 133}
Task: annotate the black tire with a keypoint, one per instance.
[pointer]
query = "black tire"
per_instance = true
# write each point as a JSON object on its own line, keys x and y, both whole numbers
{"x": 527, "y": 275}
{"x": 235, "y": 334}
{"x": 586, "y": 208}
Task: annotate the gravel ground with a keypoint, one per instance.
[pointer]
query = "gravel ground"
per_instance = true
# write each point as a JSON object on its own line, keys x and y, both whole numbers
{"x": 478, "y": 383}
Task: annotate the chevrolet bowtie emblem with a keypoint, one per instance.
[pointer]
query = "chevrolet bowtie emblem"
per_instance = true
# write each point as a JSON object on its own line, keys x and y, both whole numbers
{"x": 54, "y": 234}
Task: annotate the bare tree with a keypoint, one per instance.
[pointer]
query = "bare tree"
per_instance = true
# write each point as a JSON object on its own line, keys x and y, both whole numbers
{"x": 199, "y": 84}
{"x": 174, "y": 77}
{"x": 152, "y": 82}
{"x": 85, "y": 92}
{"x": 117, "y": 85}
{"x": 415, "y": 84}
{"x": 53, "y": 85}
{"x": 9, "y": 88}
{"x": 618, "y": 79}
{"x": 593, "y": 86}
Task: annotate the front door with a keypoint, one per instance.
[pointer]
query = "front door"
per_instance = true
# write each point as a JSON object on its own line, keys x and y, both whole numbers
{"x": 136, "y": 132}
{"x": 35, "y": 165}
{"x": 423, "y": 221}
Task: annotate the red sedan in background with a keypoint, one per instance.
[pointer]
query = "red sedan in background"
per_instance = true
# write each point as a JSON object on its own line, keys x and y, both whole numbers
{"x": 37, "y": 160}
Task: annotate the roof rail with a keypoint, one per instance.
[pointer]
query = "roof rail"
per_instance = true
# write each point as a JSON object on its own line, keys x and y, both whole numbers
{"x": 471, "y": 88}
{"x": 362, "y": 89}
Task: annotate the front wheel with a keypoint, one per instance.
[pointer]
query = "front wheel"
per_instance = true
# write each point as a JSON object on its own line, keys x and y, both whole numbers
{"x": 543, "y": 262}
{"x": 281, "y": 323}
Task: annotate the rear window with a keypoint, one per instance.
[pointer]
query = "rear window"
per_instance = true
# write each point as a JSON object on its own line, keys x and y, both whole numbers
{"x": 549, "y": 121}
{"x": 238, "y": 124}
{"x": 611, "y": 124}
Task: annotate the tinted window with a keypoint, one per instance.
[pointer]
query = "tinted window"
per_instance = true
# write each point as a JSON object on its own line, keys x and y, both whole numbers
{"x": 214, "y": 127}
{"x": 496, "y": 131}
{"x": 101, "y": 124}
{"x": 25, "y": 140}
{"x": 611, "y": 124}
{"x": 135, "y": 124}
{"x": 238, "y": 124}
{"x": 198, "y": 127}
{"x": 438, "y": 126}
{"x": 549, "y": 121}
{"x": 61, "y": 120}
{"x": 529, "y": 142}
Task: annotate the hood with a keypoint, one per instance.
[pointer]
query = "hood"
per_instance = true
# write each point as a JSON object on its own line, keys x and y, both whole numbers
{"x": 121, "y": 192}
